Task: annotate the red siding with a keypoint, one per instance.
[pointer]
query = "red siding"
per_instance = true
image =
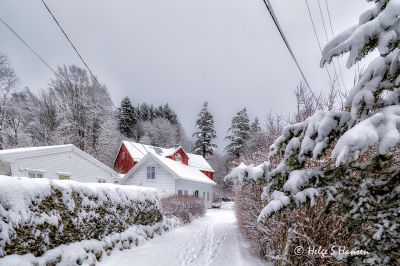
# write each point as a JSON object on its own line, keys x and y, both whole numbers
{"x": 124, "y": 161}
{"x": 181, "y": 152}
{"x": 209, "y": 174}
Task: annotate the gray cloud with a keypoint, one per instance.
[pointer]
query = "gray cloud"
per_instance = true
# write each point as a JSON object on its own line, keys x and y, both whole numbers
{"x": 179, "y": 51}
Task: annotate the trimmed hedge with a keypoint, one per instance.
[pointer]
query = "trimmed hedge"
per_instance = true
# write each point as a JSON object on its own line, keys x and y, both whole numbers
{"x": 38, "y": 215}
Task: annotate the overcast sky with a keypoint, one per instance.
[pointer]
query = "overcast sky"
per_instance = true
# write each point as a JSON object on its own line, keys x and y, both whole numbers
{"x": 183, "y": 52}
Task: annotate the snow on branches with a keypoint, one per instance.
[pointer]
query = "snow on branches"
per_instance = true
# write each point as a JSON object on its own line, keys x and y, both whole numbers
{"x": 349, "y": 159}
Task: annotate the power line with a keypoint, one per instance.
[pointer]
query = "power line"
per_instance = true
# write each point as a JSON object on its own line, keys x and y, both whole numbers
{"x": 79, "y": 55}
{"x": 83, "y": 61}
{"x": 319, "y": 43}
{"x": 27, "y": 45}
{"x": 275, "y": 19}
{"x": 327, "y": 39}
{"x": 333, "y": 35}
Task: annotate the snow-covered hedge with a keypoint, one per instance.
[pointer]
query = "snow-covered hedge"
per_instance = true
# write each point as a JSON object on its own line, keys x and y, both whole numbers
{"x": 88, "y": 252}
{"x": 37, "y": 215}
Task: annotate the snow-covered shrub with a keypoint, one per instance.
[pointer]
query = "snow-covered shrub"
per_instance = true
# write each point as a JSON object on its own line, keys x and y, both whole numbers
{"x": 40, "y": 214}
{"x": 88, "y": 252}
{"x": 348, "y": 159}
{"x": 185, "y": 208}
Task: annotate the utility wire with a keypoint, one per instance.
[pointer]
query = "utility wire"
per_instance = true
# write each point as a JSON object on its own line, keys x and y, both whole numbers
{"x": 79, "y": 55}
{"x": 275, "y": 19}
{"x": 333, "y": 35}
{"x": 319, "y": 43}
{"x": 327, "y": 39}
{"x": 27, "y": 45}
{"x": 83, "y": 61}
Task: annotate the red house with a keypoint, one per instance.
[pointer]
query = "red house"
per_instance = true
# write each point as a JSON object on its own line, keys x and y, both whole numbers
{"x": 130, "y": 153}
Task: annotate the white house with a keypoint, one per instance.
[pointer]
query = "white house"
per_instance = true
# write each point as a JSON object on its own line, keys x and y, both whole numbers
{"x": 170, "y": 177}
{"x": 55, "y": 162}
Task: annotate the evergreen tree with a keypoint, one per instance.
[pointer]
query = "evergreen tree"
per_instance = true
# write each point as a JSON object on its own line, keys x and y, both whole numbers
{"x": 206, "y": 134}
{"x": 347, "y": 159}
{"x": 239, "y": 134}
{"x": 256, "y": 140}
{"x": 165, "y": 111}
{"x": 127, "y": 119}
{"x": 255, "y": 127}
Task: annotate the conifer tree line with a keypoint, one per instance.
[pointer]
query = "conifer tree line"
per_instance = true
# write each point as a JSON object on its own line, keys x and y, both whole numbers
{"x": 147, "y": 124}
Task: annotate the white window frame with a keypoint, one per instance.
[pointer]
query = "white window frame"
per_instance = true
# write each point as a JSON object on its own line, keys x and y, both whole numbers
{"x": 208, "y": 196}
{"x": 101, "y": 180}
{"x": 35, "y": 172}
{"x": 196, "y": 195}
{"x": 180, "y": 192}
{"x": 147, "y": 173}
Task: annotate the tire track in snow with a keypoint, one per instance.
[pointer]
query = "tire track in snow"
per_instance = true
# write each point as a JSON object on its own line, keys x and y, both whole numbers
{"x": 212, "y": 240}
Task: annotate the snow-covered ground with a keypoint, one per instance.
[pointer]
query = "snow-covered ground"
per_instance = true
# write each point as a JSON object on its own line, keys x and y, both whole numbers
{"x": 210, "y": 240}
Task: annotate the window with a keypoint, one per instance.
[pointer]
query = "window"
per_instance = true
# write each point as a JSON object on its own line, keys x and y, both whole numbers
{"x": 179, "y": 192}
{"x": 208, "y": 196}
{"x": 35, "y": 175}
{"x": 196, "y": 193}
{"x": 64, "y": 177}
{"x": 185, "y": 192}
{"x": 178, "y": 157}
{"x": 123, "y": 155}
{"x": 204, "y": 195}
{"x": 151, "y": 172}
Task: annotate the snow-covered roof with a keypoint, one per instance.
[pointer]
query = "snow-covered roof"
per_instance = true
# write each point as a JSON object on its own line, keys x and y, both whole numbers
{"x": 13, "y": 154}
{"x": 138, "y": 151}
{"x": 178, "y": 169}
{"x": 22, "y": 151}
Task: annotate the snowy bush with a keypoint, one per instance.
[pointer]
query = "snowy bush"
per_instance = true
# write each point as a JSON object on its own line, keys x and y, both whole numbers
{"x": 349, "y": 159}
{"x": 185, "y": 208}
{"x": 88, "y": 252}
{"x": 37, "y": 215}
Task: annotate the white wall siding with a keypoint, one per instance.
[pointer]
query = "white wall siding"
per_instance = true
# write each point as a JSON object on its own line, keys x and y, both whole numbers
{"x": 191, "y": 187}
{"x": 164, "y": 182}
{"x": 68, "y": 162}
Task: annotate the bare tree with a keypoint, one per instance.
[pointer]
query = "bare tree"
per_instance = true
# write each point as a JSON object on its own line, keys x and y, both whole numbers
{"x": 159, "y": 132}
{"x": 8, "y": 82}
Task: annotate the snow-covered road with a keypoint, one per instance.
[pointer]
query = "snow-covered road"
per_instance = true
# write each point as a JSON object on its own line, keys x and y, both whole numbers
{"x": 210, "y": 240}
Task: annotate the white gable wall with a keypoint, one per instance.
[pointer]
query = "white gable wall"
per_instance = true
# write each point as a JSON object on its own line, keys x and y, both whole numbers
{"x": 191, "y": 187}
{"x": 164, "y": 182}
{"x": 67, "y": 162}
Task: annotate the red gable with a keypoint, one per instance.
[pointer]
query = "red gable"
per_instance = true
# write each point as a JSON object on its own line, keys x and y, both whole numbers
{"x": 180, "y": 155}
{"x": 124, "y": 160}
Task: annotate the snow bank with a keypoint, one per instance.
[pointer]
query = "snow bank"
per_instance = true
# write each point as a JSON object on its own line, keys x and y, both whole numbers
{"x": 37, "y": 215}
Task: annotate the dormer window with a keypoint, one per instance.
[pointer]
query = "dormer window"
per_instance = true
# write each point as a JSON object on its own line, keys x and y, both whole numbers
{"x": 178, "y": 158}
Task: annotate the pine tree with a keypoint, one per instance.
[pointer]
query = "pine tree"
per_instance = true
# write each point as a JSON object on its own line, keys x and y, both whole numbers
{"x": 127, "y": 119}
{"x": 349, "y": 159}
{"x": 255, "y": 127}
{"x": 239, "y": 134}
{"x": 206, "y": 134}
{"x": 165, "y": 111}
